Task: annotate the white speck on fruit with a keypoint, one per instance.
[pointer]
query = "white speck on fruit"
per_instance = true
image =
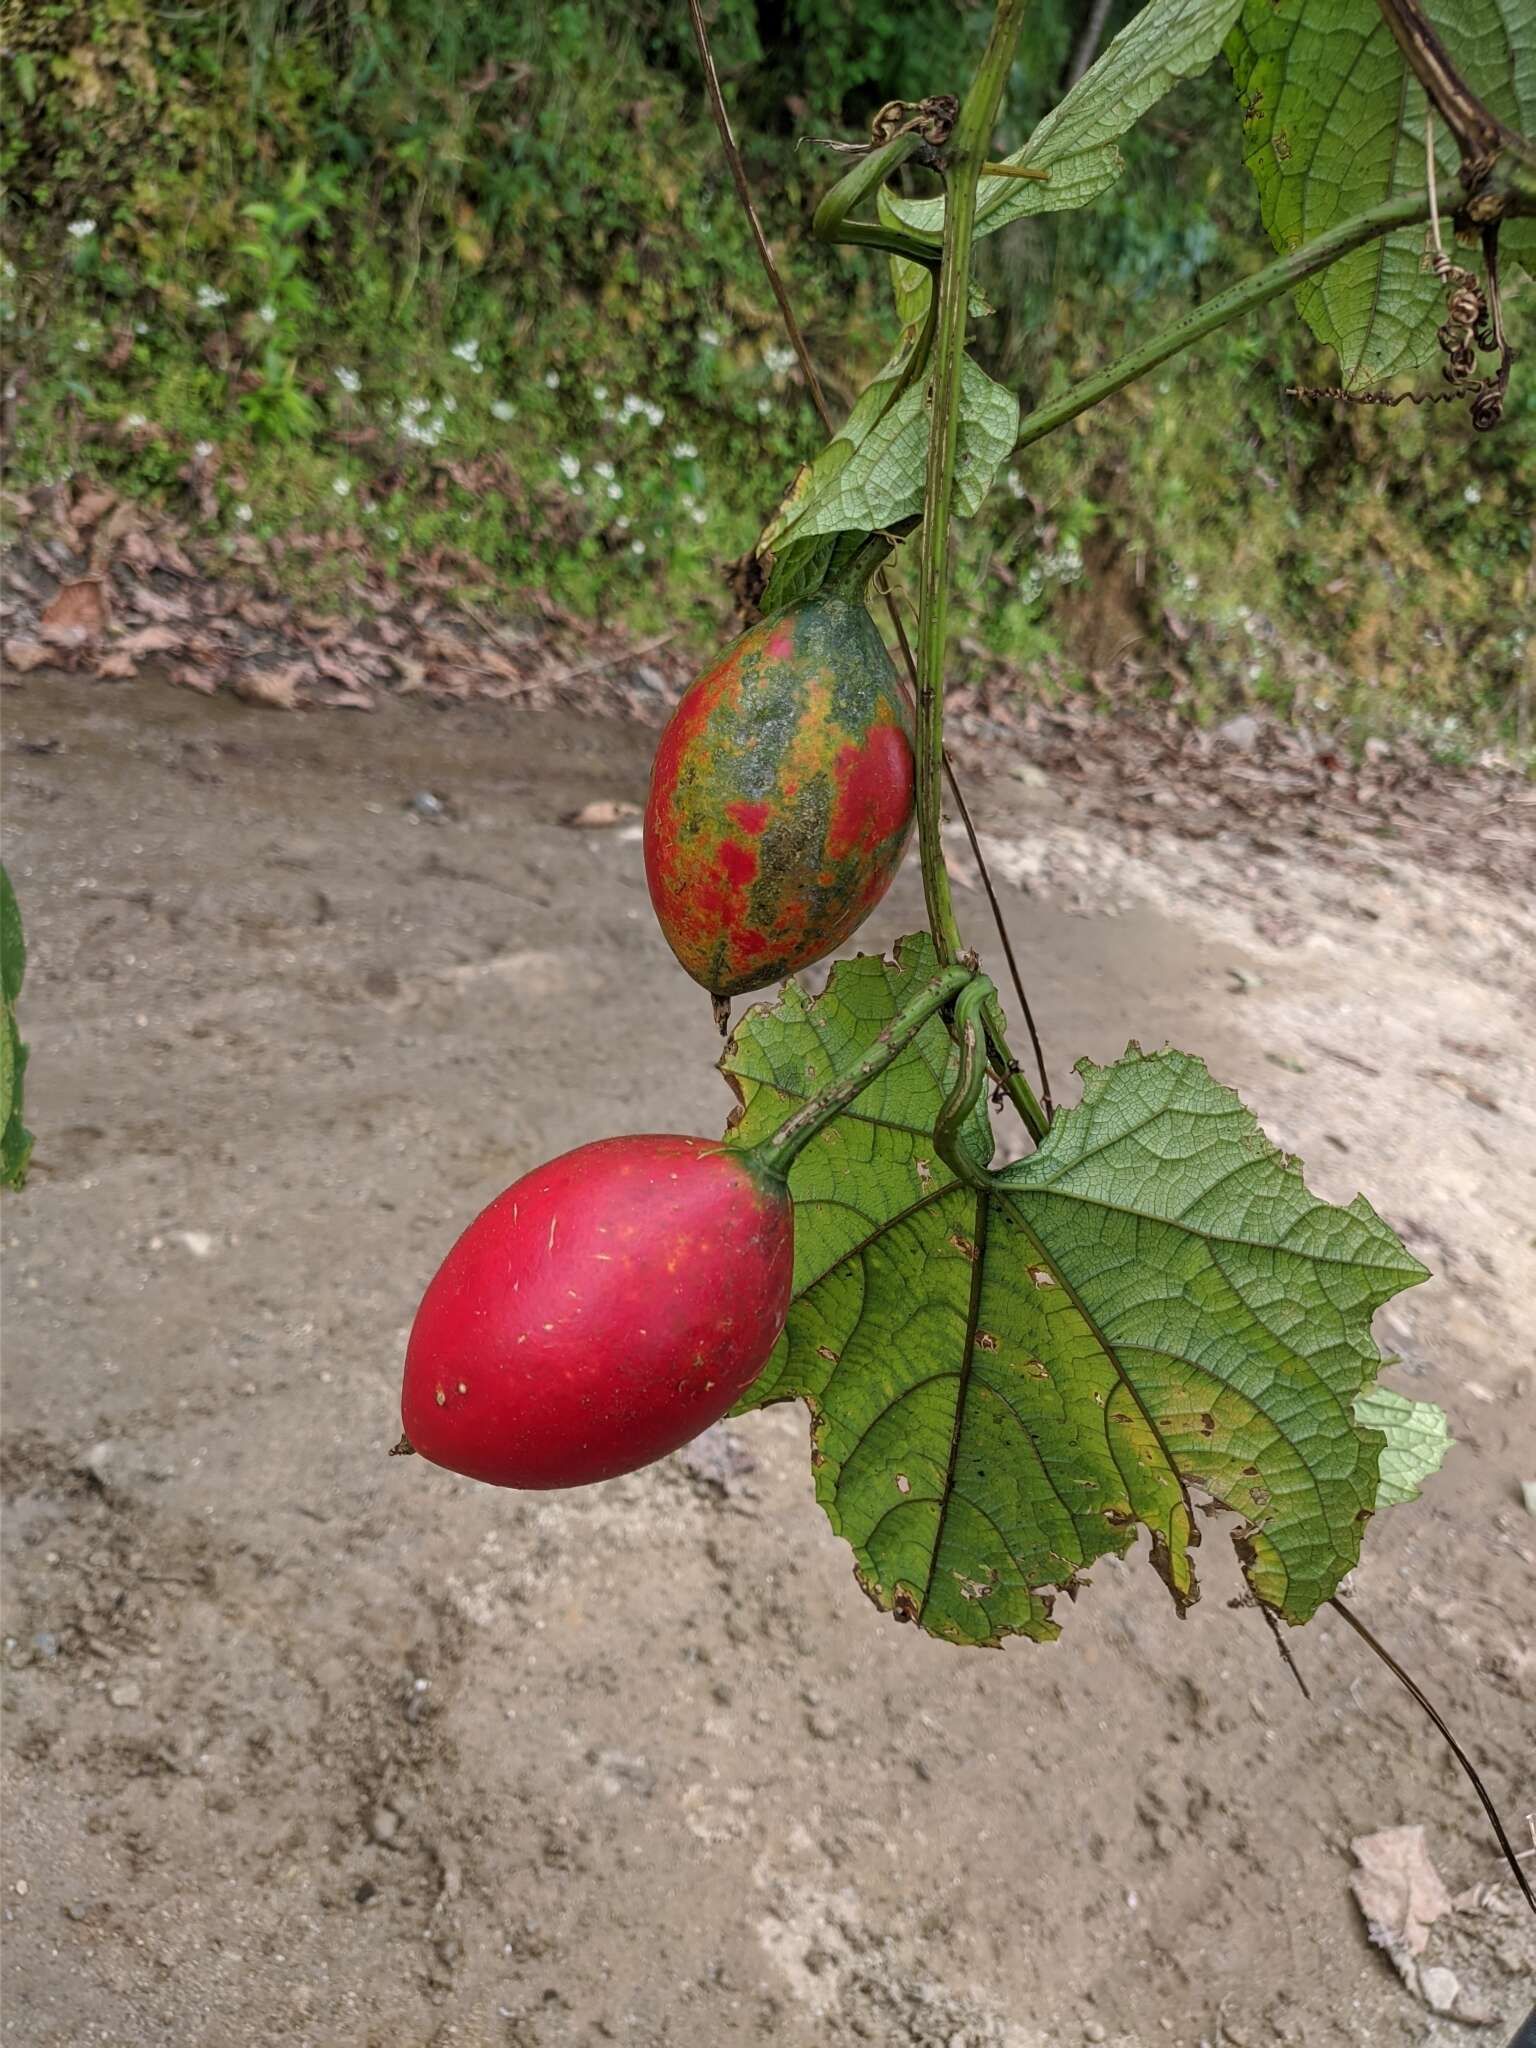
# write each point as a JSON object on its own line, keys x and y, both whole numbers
{"x": 553, "y": 1222}
{"x": 442, "y": 1398}
{"x": 463, "y": 1387}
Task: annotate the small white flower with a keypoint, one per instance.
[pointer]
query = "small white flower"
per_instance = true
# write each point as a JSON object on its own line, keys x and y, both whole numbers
{"x": 202, "y": 450}
{"x": 210, "y": 298}
{"x": 655, "y": 415}
{"x": 684, "y": 452}
{"x": 82, "y": 229}
{"x": 764, "y": 407}
{"x": 1472, "y": 495}
{"x": 698, "y": 515}
{"x": 615, "y": 491}
{"x": 637, "y": 547}
{"x": 599, "y": 392}
{"x": 349, "y": 380}
{"x": 552, "y": 379}
{"x": 141, "y": 327}
{"x": 709, "y": 337}
{"x": 342, "y": 486}
{"x": 621, "y": 524}
{"x": 466, "y": 351}
{"x": 83, "y": 346}
{"x": 450, "y": 405}
{"x": 569, "y": 468}
{"x": 777, "y": 360}
{"x": 244, "y": 514}
{"x": 415, "y": 407}
{"x": 503, "y": 409}
{"x": 391, "y": 533}
{"x": 133, "y": 421}
{"x": 604, "y": 470}
{"x": 267, "y": 313}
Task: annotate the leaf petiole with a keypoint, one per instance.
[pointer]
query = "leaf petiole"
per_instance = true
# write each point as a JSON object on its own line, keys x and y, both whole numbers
{"x": 775, "y": 1154}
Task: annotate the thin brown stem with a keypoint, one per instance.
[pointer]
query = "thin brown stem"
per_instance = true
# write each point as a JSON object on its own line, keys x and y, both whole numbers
{"x": 738, "y": 172}
{"x": 1417, "y": 1692}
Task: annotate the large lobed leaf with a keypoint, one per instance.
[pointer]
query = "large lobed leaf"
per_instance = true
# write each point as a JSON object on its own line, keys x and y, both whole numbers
{"x": 1333, "y": 124}
{"x": 1007, "y": 1384}
{"x": 1168, "y": 40}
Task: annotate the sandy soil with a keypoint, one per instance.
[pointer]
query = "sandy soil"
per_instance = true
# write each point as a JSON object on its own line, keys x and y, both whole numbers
{"x": 310, "y": 1746}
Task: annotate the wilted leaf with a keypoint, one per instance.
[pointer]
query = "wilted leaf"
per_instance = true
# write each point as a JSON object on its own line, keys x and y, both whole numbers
{"x": 25, "y": 655}
{"x": 116, "y": 666}
{"x": 150, "y": 640}
{"x": 190, "y": 676}
{"x": 605, "y": 811}
{"x": 278, "y": 687}
{"x": 1400, "y": 1893}
{"x": 91, "y": 506}
{"x": 1006, "y": 1383}
{"x": 78, "y": 613}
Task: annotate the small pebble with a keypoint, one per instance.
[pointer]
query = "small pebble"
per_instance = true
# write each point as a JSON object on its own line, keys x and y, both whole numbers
{"x": 383, "y": 1824}
{"x": 126, "y": 1694}
{"x": 1095, "y": 2030}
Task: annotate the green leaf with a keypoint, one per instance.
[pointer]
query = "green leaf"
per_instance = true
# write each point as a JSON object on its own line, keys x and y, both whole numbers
{"x": 15, "y": 1138}
{"x": 871, "y": 477}
{"x": 1417, "y": 1440}
{"x": 1168, "y": 40}
{"x": 1333, "y": 123}
{"x": 1007, "y": 1383}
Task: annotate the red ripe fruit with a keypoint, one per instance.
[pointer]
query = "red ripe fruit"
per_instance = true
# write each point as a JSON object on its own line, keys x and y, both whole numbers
{"x": 601, "y": 1312}
{"x": 781, "y": 797}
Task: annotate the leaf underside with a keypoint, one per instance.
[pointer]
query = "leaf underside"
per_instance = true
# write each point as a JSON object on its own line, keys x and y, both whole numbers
{"x": 1167, "y": 41}
{"x": 870, "y": 477}
{"x": 1006, "y": 1385}
{"x": 1333, "y": 123}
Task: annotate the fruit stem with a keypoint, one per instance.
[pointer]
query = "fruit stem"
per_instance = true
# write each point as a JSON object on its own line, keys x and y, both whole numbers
{"x": 966, "y": 154}
{"x": 830, "y": 222}
{"x": 966, "y": 157}
{"x": 852, "y": 579}
{"x": 778, "y": 1152}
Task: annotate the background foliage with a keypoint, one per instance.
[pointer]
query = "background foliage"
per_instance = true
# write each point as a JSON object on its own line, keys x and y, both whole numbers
{"x": 427, "y": 275}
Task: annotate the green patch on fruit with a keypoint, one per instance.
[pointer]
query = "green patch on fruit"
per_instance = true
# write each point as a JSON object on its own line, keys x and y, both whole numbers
{"x": 1009, "y": 1382}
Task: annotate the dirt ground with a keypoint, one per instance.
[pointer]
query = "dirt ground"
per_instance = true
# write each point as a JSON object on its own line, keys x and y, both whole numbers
{"x": 306, "y": 1745}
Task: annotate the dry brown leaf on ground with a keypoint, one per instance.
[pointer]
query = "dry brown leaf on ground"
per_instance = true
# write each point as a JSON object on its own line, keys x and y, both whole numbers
{"x": 117, "y": 665}
{"x": 25, "y": 655}
{"x": 91, "y": 507}
{"x": 150, "y": 640}
{"x": 277, "y": 687}
{"x": 596, "y": 817}
{"x": 79, "y": 613}
{"x": 1400, "y": 1893}
{"x": 190, "y": 675}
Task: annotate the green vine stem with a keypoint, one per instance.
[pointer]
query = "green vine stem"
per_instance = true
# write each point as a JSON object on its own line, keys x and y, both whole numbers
{"x": 965, "y": 160}
{"x": 1290, "y": 270}
{"x": 949, "y": 1124}
{"x": 831, "y": 222}
{"x": 776, "y": 1154}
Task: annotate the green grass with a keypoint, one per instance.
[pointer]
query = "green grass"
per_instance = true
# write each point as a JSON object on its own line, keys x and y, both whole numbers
{"x": 473, "y": 281}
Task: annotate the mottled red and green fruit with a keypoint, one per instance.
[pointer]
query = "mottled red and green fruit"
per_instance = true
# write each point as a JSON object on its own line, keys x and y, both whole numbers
{"x": 605, "y": 1309}
{"x": 781, "y": 798}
